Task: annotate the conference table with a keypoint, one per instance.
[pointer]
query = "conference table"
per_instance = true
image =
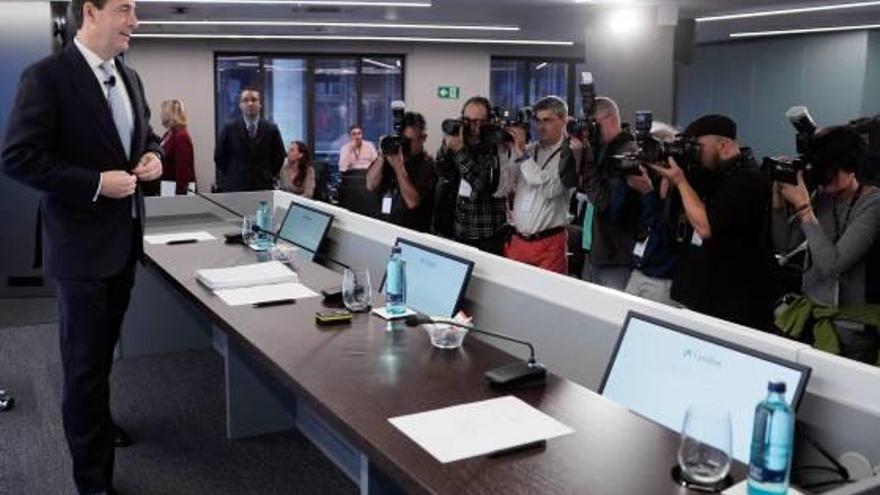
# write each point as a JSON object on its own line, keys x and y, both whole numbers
{"x": 355, "y": 377}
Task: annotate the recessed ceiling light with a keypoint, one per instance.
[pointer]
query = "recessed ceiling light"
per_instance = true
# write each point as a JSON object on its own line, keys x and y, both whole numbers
{"x": 799, "y": 10}
{"x": 784, "y": 32}
{"x": 335, "y": 3}
{"x": 492, "y": 41}
{"x": 380, "y": 25}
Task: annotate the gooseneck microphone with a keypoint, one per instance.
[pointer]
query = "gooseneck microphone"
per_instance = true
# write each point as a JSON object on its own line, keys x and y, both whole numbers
{"x": 256, "y": 228}
{"x": 514, "y": 375}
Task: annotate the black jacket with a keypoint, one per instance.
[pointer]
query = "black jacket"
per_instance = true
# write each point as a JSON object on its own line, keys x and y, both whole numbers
{"x": 245, "y": 164}
{"x": 60, "y": 137}
{"x": 731, "y": 276}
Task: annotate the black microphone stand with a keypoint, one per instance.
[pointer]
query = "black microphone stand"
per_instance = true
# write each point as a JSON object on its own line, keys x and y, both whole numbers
{"x": 508, "y": 376}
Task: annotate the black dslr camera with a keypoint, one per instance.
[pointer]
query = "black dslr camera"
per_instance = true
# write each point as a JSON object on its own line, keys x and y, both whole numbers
{"x": 393, "y": 143}
{"x": 787, "y": 170}
{"x": 586, "y": 126}
{"x": 495, "y": 133}
{"x": 684, "y": 150}
{"x": 451, "y": 127}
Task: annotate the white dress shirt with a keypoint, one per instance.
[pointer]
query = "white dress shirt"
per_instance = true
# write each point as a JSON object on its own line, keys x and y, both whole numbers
{"x": 94, "y": 62}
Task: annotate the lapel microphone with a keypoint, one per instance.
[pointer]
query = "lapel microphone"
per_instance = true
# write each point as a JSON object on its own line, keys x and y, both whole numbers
{"x": 110, "y": 82}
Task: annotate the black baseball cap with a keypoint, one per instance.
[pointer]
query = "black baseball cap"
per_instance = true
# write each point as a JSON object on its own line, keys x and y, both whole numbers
{"x": 712, "y": 125}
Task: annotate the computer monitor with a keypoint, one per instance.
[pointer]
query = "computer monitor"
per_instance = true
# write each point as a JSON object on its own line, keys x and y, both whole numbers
{"x": 659, "y": 370}
{"x": 306, "y": 228}
{"x": 435, "y": 281}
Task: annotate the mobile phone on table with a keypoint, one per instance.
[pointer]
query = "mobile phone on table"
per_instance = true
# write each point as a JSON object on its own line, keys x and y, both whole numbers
{"x": 332, "y": 317}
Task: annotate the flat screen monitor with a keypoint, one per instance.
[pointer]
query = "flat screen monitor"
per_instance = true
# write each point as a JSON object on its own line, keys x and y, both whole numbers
{"x": 659, "y": 370}
{"x": 435, "y": 281}
{"x": 306, "y": 228}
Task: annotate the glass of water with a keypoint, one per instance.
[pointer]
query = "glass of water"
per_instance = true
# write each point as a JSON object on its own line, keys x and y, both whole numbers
{"x": 705, "y": 452}
{"x": 357, "y": 292}
{"x": 247, "y": 229}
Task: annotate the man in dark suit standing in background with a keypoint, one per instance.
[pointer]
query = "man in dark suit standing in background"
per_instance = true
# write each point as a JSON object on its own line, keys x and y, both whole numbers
{"x": 79, "y": 132}
{"x": 249, "y": 151}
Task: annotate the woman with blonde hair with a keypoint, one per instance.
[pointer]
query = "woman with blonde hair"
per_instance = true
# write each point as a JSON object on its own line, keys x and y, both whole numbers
{"x": 298, "y": 173}
{"x": 177, "y": 164}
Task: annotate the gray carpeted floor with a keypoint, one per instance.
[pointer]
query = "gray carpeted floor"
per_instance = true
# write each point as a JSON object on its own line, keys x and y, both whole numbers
{"x": 172, "y": 405}
{"x": 19, "y": 312}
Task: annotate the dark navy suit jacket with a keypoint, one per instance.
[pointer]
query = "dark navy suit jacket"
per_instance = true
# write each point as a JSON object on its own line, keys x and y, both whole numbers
{"x": 245, "y": 164}
{"x": 60, "y": 137}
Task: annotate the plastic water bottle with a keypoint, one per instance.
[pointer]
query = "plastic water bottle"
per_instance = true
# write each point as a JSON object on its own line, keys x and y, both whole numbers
{"x": 264, "y": 222}
{"x": 772, "y": 444}
{"x": 395, "y": 283}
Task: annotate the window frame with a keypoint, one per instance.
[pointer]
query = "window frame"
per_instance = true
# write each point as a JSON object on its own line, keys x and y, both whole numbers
{"x": 571, "y": 75}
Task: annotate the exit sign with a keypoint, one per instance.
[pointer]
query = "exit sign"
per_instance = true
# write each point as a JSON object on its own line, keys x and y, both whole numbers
{"x": 448, "y": 92}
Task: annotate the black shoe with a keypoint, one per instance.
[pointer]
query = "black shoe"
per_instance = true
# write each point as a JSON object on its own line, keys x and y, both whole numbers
{"x": 121, "y": 438}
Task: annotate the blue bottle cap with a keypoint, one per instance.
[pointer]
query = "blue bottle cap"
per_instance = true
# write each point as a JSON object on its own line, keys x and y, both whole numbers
{"x": 395, "y": 249}
{"x": 776, "y": 387}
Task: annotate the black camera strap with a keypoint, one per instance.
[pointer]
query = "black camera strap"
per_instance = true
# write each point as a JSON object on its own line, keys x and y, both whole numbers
{"x": 838, "y": 229}
{"x": 549, "y": 158}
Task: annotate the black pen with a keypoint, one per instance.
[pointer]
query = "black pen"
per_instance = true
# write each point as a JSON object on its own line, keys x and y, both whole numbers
{"x": 277, "y": 302}
{"x": 519, "y": 448}
{"x": 181, "y": 241}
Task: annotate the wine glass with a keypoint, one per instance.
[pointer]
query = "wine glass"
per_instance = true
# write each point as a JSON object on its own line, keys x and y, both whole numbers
{"x": 357, "y": 293}
{"x": 705, "y": 451}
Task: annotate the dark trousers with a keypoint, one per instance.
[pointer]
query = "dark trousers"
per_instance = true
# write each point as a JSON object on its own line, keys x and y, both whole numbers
{"x": 90, "y": 316}
{"x": 493, "y": 245}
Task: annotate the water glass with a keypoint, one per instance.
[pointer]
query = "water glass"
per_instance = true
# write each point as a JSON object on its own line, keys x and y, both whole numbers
{"x": 357, "y": 292}
{"x": 247, "y": 229}
{"x": 705, "y": 452}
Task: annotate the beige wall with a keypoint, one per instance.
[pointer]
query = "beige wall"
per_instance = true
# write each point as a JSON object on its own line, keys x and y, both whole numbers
{"x": 185, "y": 70}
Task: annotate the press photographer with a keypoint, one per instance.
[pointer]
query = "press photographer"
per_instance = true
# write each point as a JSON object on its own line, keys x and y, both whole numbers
{"x": 532, "y": 172}
{"x": 662, "y": 222}
{"x": 610, "y": 231}
{"x": 840, "y": 223}
{"x": 404, "y": 174}
{"x": 727, "y": 270}
{"x": 470, "y": 166}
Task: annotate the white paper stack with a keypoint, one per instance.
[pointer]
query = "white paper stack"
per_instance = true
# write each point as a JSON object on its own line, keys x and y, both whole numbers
{"x": 196, "y": 235}
{"x": 479, "y": 428}
{"x": 270, "y": 272}
{"x": 264, "y": 293}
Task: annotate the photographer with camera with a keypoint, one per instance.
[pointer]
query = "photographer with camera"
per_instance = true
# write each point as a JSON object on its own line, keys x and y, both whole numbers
{"x": 727, "y": 270}
{"x": 610, "y": 232}
{"x": 540, "y": 207}
{"x": 406, "y": 178}
{"x": 471, "y": 166}
{"x": 657, "y": 252}
{"x": 841, "y": 225}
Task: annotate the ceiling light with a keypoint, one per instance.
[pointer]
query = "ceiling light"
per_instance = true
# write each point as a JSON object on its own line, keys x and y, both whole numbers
{"x": 799, "y": 10}
{"x": 623, "y": 21}
{"x": 491, "y": 41}
{"x": 339, "y": 3}
{"x": 385, "y": 25}
{"x": 784, "y": 32}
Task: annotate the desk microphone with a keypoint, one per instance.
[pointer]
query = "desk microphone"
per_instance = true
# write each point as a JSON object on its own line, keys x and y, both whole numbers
{"x": 514, "y": 375}
{"x": 257, "y": 229}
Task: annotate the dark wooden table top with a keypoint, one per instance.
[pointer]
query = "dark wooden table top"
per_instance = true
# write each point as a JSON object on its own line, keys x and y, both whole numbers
{"x": 357, "y": 376}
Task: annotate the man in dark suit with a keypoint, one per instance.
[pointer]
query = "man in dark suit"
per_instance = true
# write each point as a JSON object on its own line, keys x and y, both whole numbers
{"x": 79, "y": 132}
{"x": 249, "y": 152}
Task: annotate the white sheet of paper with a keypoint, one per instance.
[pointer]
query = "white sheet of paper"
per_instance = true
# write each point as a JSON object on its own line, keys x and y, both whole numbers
{"x": 169, "y": 188}
{"x": 380, "y": 312}
{"x": 386, "y": 205}
{"x": 264, "y": 293}
{"x": 527, "y": 199}
{"x": 464, "y": 189}
{"x": 742, "y": 489}
{"x": 479, "y": 428}
{"x": 233, "y": 277}
{"x": 199, "y": 235}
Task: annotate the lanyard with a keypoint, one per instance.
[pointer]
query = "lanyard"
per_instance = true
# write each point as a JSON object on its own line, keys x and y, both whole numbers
{"x": 552, "y": 155}
{"x": 838, "y": 231}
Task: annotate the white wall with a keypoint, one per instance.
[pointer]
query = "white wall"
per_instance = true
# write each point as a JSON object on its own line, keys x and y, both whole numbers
{"x": 185, "y": 70}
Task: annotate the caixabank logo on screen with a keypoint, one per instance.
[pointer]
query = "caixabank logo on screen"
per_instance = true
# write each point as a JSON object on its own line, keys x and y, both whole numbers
{"x": 697, "y": 356}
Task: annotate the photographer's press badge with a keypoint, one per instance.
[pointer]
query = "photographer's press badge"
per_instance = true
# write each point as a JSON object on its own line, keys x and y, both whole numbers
{"x": 464, "y": 189}
{"x": 696, "y": 240}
